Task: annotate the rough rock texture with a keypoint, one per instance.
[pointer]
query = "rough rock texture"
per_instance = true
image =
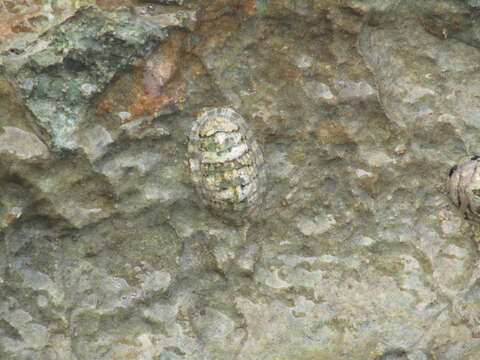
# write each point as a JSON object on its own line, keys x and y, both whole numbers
{"x": 361, "y": 108}
{"x": 61, "y": 71}
{"x": 22, "y": 21}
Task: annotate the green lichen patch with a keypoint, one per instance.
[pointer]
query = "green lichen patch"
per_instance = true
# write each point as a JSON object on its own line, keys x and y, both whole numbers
{"x": 59, "y": 73}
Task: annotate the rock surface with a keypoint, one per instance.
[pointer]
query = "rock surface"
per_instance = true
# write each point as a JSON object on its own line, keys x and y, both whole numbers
{"x": 361, "y": 108}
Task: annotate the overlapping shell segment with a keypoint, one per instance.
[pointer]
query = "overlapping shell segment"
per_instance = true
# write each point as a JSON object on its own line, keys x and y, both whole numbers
{"x": 465, "y": 187}
{"x": 226, "y": 164}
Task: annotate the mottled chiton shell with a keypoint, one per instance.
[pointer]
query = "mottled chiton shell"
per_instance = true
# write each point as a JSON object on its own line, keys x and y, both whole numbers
{"x": 226, "y": 164}
{"x": 465, "y": 187}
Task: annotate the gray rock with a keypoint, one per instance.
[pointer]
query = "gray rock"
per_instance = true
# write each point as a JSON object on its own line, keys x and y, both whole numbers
{"x": 144, "y": 127}
{"x": 168, "y": 2}
{"x": 361, "y": 108}
{"x": 60, "y": 72}
{"x": 474, "y": 3}
{"x": 161, "y": 15}
{"x": 22, "y": 144}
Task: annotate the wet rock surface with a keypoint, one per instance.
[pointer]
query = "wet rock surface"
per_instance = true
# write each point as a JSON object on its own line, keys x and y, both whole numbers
{"x": 361, "y": 108}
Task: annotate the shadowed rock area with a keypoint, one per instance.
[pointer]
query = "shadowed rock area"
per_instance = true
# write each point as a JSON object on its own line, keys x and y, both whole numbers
{"x": 360, "y": 109}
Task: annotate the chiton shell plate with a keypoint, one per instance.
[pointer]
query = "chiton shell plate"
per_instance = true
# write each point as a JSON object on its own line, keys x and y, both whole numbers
{"x": 464, "y": 187}
{"x": 226, "y": 163}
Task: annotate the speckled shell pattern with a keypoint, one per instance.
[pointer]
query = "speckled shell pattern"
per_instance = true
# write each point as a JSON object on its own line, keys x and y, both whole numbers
{"x": 465, "y": 187}
{"x": 226, "y": 164}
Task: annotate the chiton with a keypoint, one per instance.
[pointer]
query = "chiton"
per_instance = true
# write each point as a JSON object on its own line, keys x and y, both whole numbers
{"x": 227, "y": 164}
{"x": 465, "y": 187}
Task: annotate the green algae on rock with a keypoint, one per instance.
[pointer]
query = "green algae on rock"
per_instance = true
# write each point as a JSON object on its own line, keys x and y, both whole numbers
{"x": 58, "y": 74}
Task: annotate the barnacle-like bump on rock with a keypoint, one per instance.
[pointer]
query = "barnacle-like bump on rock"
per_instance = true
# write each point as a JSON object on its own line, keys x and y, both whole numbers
{"x": 465, "y": 187}
{"x": 226, "y": 164}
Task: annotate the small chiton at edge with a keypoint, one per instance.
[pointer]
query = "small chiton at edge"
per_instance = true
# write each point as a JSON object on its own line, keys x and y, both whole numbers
{"x": 465, "y": 187}
{"x": 226, "y": 164}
